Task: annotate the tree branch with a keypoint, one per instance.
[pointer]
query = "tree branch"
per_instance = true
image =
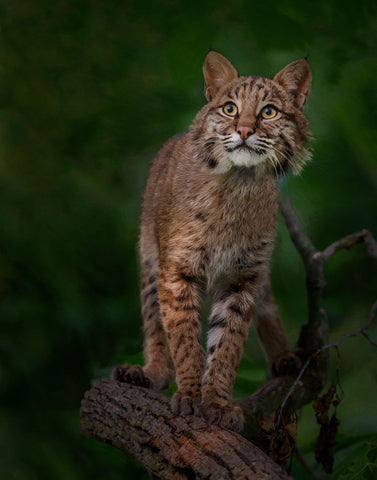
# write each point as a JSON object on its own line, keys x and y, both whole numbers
{"x": 140, "y": 422}
{"x": 351, "y": 241}
{"x": 314, "y": 334}
{"x": 358, "y": 331}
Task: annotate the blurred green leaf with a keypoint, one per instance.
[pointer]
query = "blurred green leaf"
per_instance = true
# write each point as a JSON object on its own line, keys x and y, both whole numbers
{"x": 359, "y": 459}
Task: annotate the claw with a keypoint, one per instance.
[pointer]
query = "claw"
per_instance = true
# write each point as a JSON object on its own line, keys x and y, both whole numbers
{"x": 230, "y": 417}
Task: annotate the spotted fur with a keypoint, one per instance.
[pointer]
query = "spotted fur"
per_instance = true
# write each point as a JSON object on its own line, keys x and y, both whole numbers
{"x": 208, "y": 227}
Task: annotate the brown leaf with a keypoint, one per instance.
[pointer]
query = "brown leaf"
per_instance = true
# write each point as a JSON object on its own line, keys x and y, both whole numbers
{"x": 329, "y": 428}
{"x": 279, "y": 440}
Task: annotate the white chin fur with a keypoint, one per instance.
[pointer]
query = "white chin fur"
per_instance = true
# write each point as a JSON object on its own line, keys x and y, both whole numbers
{"x": 245, "y": 158}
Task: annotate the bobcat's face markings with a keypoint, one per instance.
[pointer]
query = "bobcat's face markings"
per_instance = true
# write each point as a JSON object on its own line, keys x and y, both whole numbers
{"x": 208, "y": 226}
{"x": 253, "y": 123}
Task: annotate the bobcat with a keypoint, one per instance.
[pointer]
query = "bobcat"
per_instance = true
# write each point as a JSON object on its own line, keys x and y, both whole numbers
{"x": 208, "y": 226}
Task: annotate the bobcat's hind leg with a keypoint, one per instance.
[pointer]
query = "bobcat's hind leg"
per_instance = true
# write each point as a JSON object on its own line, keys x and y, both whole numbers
{"x": 281, "y": 359}
{"x": 158, "y": 362}
{"x": 158, "y": 371}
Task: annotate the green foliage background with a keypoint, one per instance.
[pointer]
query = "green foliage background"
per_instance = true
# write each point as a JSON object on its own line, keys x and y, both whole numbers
{"x": 90, "y": 90}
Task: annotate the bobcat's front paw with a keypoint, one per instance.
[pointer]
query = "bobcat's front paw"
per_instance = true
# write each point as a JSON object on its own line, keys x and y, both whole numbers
{"x": 230, "y": 416}
{"x": 132, "y": 374}
{"x": 287, "y": 364}
{"x": 184, "y": 404}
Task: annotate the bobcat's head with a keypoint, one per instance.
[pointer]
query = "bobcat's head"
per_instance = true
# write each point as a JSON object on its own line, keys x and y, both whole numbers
{"x": 251, "y": 120}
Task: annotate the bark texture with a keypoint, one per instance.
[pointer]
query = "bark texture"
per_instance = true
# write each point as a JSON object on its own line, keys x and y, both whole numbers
{"x": 141, "y": 423}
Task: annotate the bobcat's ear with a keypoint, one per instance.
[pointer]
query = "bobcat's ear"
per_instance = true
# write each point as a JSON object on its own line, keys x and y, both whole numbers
{"x": 217, "y": 71}
{"x": 296, "y": 78}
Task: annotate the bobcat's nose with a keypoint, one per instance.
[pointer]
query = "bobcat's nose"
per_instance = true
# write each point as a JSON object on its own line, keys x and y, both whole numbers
{"x": 245, "y": 131}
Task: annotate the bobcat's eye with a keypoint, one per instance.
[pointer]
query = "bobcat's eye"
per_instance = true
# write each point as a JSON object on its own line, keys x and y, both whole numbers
{"x": 269, "y": 112}
{"x": 230, "y": 109}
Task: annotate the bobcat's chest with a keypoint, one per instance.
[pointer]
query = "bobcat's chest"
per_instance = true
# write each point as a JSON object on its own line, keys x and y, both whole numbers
{"x": 221, "y": 228}
{"x": 226, "y": 258}
{"x": 236, "y": 237}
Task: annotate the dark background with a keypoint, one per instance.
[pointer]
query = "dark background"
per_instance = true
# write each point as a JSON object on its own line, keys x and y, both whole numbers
{"x": 90, "y": 90}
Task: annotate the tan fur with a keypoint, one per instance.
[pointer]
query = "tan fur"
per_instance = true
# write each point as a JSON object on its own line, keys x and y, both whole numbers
{"x": 208, "y": 226}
